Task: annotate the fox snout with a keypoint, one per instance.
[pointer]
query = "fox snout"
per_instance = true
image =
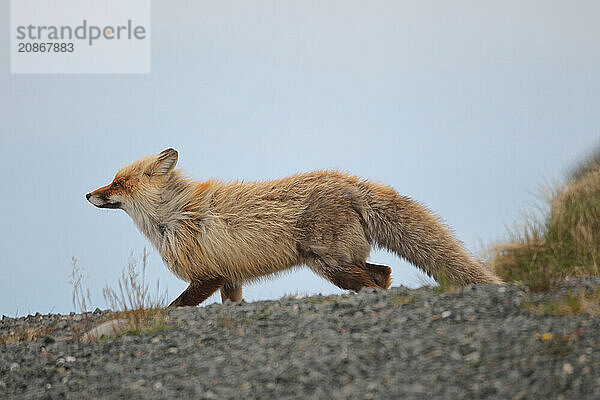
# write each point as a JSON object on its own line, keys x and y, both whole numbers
{"x": 102, "y": 198}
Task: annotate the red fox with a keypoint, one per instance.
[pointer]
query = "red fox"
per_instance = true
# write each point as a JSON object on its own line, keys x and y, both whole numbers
{"x": 219, "y": 235}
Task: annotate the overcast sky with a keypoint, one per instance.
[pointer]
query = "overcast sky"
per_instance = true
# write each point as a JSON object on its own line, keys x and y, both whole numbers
{"x": 468, "y": 106}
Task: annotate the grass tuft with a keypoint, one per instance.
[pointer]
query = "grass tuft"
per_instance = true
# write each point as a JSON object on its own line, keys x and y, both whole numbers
{"x": 558, "y": 344}
{"x": 445, "y": 285}
{"x": 563, "y": 241}
{"x": 134, "y": 301}
{"x": 401, "y": 300}
{"x": 572, "y": 303}
{"x": 81, "y": 298}
{"x": 24, "y": 334}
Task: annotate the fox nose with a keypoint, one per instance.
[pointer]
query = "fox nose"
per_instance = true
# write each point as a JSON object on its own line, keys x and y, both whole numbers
{"x": 87, "y": 196}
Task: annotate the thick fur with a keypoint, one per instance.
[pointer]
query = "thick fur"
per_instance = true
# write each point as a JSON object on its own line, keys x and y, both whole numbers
{"x": 221, "y": 234}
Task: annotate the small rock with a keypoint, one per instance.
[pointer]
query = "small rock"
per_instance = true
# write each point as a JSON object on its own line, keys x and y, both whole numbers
{"x": 155, "y": 340}
{"x": 472, "y": 357}
{"x": 585, "y": 370}
{"x": 70, "y": 359}
{"x": 157, "y": 386}
{"x": 416, "y": 388}
{"x": 14, "y": 366}
{"x": 110, "y": 328}
{"x": 446, "y": 314}
{"x": 139, "y": 382}
{"x": 567, "y": 368}
{"x": 173, "y": 350}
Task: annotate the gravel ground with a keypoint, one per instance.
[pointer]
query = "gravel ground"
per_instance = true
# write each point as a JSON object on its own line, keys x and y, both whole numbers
{"x": 479, "y": 342}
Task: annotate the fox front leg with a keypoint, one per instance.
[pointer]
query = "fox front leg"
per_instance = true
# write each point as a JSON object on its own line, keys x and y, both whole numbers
{"x": 197, "y": 292}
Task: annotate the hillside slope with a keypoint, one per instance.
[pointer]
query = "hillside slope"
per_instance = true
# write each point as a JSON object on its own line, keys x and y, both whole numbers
{"x": 477, "y": 342}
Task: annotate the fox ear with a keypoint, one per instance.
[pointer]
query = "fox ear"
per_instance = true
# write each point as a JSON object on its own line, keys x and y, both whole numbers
{"x": 165, "y": 161}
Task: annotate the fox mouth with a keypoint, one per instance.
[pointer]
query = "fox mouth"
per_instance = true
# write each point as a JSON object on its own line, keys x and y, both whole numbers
{"x": 109, "y": 205}
{"x": 102, "y": 202}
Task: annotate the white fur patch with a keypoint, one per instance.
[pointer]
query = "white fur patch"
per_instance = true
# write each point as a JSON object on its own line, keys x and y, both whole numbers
{"x": 97, "y": 201}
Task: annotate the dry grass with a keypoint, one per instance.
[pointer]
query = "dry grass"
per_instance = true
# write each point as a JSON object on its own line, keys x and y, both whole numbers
{"x": 81, "y": 295}
{"x": 24, "y": 334}
{"x": 572, "y": 303}
{"x": 562, "y": 242}
{"x": 401, "y": 300}
{"x": 445, "y": 285}
{"x": 81, "y": 298}
{"x": 134, "y": 301}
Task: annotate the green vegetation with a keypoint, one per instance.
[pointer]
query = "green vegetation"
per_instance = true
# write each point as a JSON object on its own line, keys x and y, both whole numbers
{"x": 558, "y": 344}
{"x": 157, "y": 326}
{"x": 228, "y": 321}
{"x": 563, "y": 242}
{"x": 572, "y": 303}
{"x": 401, "y": 300}
{"x": 445, "y": 285}
{"x": 132, "y": 300}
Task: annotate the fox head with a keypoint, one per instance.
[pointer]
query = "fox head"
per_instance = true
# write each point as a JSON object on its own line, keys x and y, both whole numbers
{"x": 140, "y": 180}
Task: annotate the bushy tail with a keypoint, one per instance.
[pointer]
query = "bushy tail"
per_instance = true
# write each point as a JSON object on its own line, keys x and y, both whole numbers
{"x": 407, "y": 228}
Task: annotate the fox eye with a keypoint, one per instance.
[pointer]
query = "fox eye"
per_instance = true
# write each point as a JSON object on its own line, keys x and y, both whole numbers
{"x": 115, "y": 185}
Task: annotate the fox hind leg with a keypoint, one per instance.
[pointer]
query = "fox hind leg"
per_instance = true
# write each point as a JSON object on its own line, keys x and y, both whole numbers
{"x": 356, "y": 277}
{"x": 380, "y": 274}
{"x": 347, "y": 276}
{"x": 351, "y": 278}
{"x": 231, "y": 291}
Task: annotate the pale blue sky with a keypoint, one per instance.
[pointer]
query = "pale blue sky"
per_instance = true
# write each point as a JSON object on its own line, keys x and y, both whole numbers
{"x": 466, "y": 106}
